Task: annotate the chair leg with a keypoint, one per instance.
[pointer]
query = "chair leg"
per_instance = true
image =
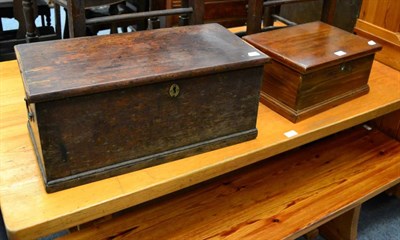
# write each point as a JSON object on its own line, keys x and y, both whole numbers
{"x": 42, "y": 20}
{"x": 268, "y": 12}
{"x": 66, "y": 26}
{"x": 48, "y": 18}
{"x": 57, "y": 20}
{"x": 114, "y": 29}
{"x": 153, "y": 23}
{"x": 183, "y": 20}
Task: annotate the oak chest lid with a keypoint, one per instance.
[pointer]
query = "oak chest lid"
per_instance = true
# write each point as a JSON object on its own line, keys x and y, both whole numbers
{"x": 81, "y": 66}
{"x": 312, "y": 46}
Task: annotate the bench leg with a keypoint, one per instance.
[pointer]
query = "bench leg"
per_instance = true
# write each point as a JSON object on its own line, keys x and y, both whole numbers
{"x": 394, "y": 191}
{"x": 312, "y": 235}
{"x": 343, "y": 227}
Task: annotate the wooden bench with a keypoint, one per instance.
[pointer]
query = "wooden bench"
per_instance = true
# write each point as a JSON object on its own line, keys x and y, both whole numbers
{"x": 281, "y": 197}
{"x": 295, "y": 192}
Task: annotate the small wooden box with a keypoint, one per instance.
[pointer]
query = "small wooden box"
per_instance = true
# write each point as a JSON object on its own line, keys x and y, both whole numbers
{"x": 106, "y": 105}
{"x": 314, "y": 67}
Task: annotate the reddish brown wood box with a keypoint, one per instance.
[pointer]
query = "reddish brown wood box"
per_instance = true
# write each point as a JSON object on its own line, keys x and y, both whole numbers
{"x": 314, "y": 67}
{"x": 102, "y": 106}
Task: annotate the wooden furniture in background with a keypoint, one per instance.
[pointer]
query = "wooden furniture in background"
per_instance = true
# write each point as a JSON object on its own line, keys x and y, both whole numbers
{"x": 380, "y": 21}
{"x": 7, "y": 11}
{"x": 233, "y": 13}
{"x": 272, "y": 10}
{"x": 77, "y": 19}
{"x": 228, "y": 13}
{"x": 269, "y": 11}
{"x": 21, "y": 187}
{"x": 10, "y": 38}
{"x": 104, "y": 9}
{"x": 344, "y": 17}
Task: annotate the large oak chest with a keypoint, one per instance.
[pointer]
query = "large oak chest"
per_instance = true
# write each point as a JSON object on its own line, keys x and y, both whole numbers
{"x": 314, "y": 67}
{"x": 106, "y": 105}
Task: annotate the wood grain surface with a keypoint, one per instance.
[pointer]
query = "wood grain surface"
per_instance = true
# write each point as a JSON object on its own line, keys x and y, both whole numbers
{"x": 279, "y": 198}
{"x": 81, "y": 66}
{"x": 390, "y": 41}
{"x": 384, "y": 13}
{"x": 29, "y": 212}
{"x": 107, "y": 134}
{"x": 310, "y": 47}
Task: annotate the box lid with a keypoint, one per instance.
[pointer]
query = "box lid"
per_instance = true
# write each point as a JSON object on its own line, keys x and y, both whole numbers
{"x": 312, "y": 46}
{"x": 80, "y": 66}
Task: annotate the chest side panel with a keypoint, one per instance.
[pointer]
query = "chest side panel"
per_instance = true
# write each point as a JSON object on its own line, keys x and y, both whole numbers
{"x": 89, "y": 132}
{"x": 281, "y": 83}
{"x": 334, "y": 81}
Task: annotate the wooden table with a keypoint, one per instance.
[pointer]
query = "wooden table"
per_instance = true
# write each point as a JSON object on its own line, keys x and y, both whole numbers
{"x": 30, "y": 212}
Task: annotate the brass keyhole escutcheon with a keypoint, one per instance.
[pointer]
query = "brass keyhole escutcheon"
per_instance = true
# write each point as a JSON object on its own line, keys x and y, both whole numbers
{"x": 345, "y": 68}
{"x": 174, "y": 90}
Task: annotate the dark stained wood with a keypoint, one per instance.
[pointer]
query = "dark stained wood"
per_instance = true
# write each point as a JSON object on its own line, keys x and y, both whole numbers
{"x": 280, "y": 198}
{"x": 306, "y": 76}
{"x": 97, "y": 114}
{"x": 311, "y": 46}
{"x": 198, "y": 13}
{"x": 24, "y": 12}
{"x": 94, "y": 3}
{"x": 334, "y": 81}
{"x": 345, "y": 13}
{"x": 254, "y": 16}
{"x": 328, "y": 11}
{"x": 228, "y": 13}
{"x": 157, "y": 4}
{"x": 77, "y": 21}
{"x": 132, "y": 59}
{"x": 31, "y": 34}
{"x": 76, "y": 18}
{"x": 273, "y": 12}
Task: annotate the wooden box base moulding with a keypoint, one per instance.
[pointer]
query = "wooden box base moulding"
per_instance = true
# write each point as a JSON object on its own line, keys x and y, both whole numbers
{"x": 107, "y": 105}
{"x": 315, "y": 67}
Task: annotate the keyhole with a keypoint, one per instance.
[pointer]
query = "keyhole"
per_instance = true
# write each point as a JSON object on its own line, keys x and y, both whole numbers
{"x": 174, "y": 90}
